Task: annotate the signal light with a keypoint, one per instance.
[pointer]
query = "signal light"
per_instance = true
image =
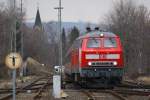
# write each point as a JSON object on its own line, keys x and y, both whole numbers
{"x": 115, "y": 63}
{"x": 101, "y": 35}
{"x": 89, "y": 63}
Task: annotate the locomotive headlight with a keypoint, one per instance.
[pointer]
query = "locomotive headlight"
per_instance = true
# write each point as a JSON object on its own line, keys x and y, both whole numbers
{"x": 115, "y": 63}
{"x": 113, "y": 56}
{"x": 101, "y": 35}
{"x": 89, "y": 63}
{"x": 92, "y": 56}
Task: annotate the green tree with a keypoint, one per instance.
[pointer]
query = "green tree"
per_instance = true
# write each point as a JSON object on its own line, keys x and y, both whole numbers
{"x": 73, "y": 35}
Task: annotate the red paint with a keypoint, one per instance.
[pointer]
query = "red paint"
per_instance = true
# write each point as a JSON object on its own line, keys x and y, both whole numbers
{"x": 79, "y": 61}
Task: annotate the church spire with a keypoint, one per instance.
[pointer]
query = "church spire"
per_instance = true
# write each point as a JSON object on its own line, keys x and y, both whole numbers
{"x": 38, "y": 23}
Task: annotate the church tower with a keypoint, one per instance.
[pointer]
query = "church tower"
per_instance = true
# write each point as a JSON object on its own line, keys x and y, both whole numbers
{"x": 38, "y": 23}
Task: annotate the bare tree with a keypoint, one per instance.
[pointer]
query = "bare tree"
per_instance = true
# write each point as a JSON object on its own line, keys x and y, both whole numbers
{"x": 6, "y": 31}
{"x": 132, "y": 23}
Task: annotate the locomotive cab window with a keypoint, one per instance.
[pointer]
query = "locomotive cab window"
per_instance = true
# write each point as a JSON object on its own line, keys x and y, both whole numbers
{"x": 94, "y": 43}
{"x": 110, "y": 42}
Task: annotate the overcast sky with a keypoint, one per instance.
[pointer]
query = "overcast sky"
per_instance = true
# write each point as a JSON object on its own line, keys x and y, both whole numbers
{"x": 74, "y": 10}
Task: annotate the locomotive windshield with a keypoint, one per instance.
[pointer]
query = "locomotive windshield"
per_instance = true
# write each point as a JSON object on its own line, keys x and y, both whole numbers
{"x": 110, "y": 42}
{"x": 94, "y": 43}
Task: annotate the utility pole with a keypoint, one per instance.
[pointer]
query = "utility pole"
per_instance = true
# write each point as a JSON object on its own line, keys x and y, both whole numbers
{"x": 14, "y": 50}
{"x": 60, "y": 32}
{"x": 57, "y": 78}
{"x": 60, "y": 40}
{"x": 21, "y": 7}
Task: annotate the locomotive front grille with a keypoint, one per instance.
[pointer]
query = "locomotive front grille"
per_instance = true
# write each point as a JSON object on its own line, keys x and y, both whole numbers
{"x": 102, "y": 64}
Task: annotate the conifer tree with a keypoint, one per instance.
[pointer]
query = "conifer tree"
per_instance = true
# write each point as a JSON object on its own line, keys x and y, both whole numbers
{"x": 63, "y": 42}
{"x": 73, "y": 35}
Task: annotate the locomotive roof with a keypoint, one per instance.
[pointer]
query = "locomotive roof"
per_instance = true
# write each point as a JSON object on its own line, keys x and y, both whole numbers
{"x": 97, "y": 34}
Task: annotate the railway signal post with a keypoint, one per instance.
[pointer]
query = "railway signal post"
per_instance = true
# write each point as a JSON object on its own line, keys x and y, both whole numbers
{"x": 13, "y": 61}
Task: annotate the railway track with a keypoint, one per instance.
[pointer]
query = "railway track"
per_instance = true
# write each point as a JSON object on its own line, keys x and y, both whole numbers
{"x": 133, "y": 92}
{"x": 137, "y": 85}
{"x": 120, "y": 92}
{"x": 91, "y": 95}
{"x": 115, "y": 94}
{"x": 34, "y": 86}
{"x": 109, "y": 94}
{"x": 40, "y": 90}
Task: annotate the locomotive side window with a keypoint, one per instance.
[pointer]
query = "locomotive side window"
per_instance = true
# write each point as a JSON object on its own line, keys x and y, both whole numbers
{"x": 110, "y": 42}
{"x": 94, "y": 43}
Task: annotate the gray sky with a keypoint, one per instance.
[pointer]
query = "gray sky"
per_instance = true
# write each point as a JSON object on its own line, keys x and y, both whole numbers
{"x": 74, "y": 10}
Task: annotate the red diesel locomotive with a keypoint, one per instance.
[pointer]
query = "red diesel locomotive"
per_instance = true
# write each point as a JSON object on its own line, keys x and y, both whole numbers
{"x": 96, "y": 55}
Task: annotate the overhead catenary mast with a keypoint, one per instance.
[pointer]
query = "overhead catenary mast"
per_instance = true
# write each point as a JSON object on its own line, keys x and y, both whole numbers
{"x": 21, "y": 16}
{"x": 60, "y": 32}
{"x": 14, "y": 48}
{"x": 57, "y": 78}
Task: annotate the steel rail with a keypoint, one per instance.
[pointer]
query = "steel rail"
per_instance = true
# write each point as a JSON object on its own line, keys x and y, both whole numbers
{"x": 89, "y": 94}
{"x": 133, "y": 92}
{"x": 39, "y": 93}
{"x": 6, "y": 91}
{"x": 24, "y": 88}
{"x": 117, "y": 95}
{"x": 129, "y": 84}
